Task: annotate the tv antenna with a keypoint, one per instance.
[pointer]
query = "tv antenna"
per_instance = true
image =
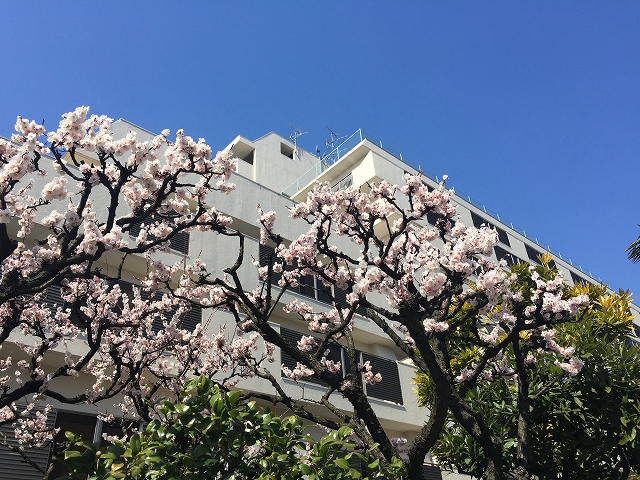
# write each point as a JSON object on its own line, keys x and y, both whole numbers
{"x": 294, "y": 138}
{"x": 330, "y": 144}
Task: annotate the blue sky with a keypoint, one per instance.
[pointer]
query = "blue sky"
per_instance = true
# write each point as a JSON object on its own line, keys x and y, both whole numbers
{"x": 531, "y": 108}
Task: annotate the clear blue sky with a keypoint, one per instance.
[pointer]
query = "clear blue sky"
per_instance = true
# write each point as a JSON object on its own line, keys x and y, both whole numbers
{"x": 531, "y": 108}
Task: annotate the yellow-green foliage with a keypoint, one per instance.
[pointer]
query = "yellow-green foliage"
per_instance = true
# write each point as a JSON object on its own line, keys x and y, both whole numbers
{"x": 579, "y": 425}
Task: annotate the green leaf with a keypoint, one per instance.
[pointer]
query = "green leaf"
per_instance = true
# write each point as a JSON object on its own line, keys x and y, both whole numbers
{"x": 342, "y": 463}
{"x": 136, "y": 446}
{"x": 234, "y": 396}
{"x": 374, "y": 464}
{"x": 200, "y": 450}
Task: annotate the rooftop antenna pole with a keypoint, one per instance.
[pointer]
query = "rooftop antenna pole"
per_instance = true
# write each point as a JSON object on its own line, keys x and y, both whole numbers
{"x": 330, "y": 144}
{"x": 294, "y": 138}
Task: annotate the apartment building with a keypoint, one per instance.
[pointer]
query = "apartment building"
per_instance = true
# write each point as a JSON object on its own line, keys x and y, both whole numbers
{"x": 275, "y": 173}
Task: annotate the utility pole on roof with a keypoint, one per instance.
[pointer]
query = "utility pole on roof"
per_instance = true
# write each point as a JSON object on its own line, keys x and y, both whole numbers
{"x": 294, "y": 138}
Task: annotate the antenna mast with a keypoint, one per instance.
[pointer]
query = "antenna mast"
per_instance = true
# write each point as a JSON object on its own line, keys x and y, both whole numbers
{"x": 294, "y": 138}
{"x": 330, "y": 144}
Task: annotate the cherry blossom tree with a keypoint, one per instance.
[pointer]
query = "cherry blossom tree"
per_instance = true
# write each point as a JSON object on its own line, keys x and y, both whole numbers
{"x": 87, "y": 209}
{"x": 422, "y": 285}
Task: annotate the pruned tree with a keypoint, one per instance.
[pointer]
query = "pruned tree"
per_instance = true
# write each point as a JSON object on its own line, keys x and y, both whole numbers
{"x": 373, "y": 247}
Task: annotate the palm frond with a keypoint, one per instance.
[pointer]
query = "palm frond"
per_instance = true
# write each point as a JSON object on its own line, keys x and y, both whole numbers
{"x": 634, "y": 251}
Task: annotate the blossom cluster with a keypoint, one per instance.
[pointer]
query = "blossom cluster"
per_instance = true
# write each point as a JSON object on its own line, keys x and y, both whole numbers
{"x": 367, "y": 375}
{"x": 298, "y": 372}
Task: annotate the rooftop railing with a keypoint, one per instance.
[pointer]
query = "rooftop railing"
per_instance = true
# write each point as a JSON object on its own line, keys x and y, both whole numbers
{"x": 359, "y": 135}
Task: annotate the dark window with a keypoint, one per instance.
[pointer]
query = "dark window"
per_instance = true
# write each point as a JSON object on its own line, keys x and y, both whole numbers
{"x": 117, "y": 427}
{"x": 178, "y": 242}
{"x": 52, "y": 296}
{"x": 341, "y": 300}
{"x": 389, "y": 388}
{"x": 83, "y": 425}
{"x": 478, "y": 269}
{"x": 578, "y": 279}
{"x": 533, "y": 254}
{"x": 286, "y": 150}
{"x": 308, "y": 285}
{"x": 12, "y": 465}
{"x": 249, "y": 157}
{"x": 433, "y": 218}
{"x": 89, "y": 428}
{"x": 189, "y": 320}
{"x": 343, "y": 184}
{"x": 267, "y": 254}
{"x": 479, "y": 221}
{"x": 355, "y": 463}
{"x": 431, "y": 472}
{"x": 501, "y": 254}
{"x": 334, "y": 354}
{"x": 634, "y": 338}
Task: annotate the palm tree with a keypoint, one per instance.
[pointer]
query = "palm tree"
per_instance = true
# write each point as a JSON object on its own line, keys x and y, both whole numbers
{"x": 634, "y": 251}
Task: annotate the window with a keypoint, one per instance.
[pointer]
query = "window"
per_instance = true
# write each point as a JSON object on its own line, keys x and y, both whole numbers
{"x": 433, "y": 218}
{"x": 578, "y": 279}
{"x": 178, "y": 242}
{"x": 244, "y": 151}
{"x": 11, "y": 463}
{"x": 83, "y": 425}
{"x": 52, "y": 296}
{"x": 478, "y": 221}
{"x": 343, "y": 184}
{"x": 90, "y": 428}
{"x": 388, "y": 389}
{"x": 312, "y": 287}
{"x": 534, "y": 255}
{"x": 501, "y": 254}
{"x": 431, "y": 472}
{"x": 286, "y": 150}
{"x": 267, "y": 254}
{"x": 308, "y": 285}
{"x": 188, "y": 321}
{"x": 478, "y": 269}
{"x": 248, "y": 158}
{"x": 341, "y": 300}
{"x": 335, "y": 354}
